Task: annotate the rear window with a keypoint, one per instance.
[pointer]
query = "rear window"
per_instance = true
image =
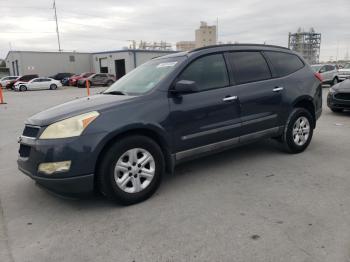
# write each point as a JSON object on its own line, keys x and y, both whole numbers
{"x": 283, "y": 63}
{"x": 248, "y": 67}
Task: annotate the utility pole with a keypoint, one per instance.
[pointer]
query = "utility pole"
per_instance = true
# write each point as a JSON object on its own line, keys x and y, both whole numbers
{"x": 58, "y": 34}
{"x": 217, "y": 30}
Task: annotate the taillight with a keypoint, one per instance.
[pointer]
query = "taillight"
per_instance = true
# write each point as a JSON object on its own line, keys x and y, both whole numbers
{"x": 319, "y": 77}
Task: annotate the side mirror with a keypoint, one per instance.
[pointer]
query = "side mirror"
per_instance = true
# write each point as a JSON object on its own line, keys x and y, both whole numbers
{"x": 185, "y": 86}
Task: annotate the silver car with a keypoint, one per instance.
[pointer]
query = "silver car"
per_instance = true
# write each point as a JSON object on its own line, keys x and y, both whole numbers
{"x": 344, "y": 73}
{"x": 328, "y": 72}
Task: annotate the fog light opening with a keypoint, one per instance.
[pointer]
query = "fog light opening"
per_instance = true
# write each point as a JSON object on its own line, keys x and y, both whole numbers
{"x": 54, "y": 167}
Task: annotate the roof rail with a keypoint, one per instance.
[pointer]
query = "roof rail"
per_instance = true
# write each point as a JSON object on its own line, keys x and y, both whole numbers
{"x": 227, "y": 45}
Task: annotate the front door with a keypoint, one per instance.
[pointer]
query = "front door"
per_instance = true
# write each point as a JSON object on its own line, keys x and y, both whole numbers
{"x": 205, "y": 119}
{"x": 260, "y": 96}
{"x": 119, "y": 68}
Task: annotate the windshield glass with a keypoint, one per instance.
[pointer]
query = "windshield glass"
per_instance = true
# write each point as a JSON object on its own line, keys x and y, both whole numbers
{"x": 316, "y": 68}
{"x": 145, "y": 77}
{"x": 347, "y": 66}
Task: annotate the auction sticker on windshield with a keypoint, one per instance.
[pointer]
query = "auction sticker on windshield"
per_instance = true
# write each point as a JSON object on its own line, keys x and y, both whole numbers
{"x": 169, "y": 64}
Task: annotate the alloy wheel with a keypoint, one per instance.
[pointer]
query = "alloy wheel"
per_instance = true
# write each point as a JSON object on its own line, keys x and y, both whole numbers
{"x": 301, "y": 131}
{"x": 134, "y": 170}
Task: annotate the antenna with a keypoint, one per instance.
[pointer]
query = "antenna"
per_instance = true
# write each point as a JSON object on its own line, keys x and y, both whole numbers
{"x": 58, "y": 34}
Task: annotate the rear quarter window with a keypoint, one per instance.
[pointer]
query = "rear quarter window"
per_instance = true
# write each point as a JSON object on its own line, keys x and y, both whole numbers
{"x": 248, "y": 67}
{"x": 283, "y": 63}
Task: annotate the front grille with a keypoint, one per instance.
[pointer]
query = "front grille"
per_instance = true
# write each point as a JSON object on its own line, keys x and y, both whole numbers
{"x": 342, "y": 96}
{"x": 24, "y": 150}
{"x": 31, "y": 131}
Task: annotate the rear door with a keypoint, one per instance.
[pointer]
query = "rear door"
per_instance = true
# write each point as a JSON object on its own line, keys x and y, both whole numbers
{"x": 210, "y": 115}
{"x": 260, "y": 95}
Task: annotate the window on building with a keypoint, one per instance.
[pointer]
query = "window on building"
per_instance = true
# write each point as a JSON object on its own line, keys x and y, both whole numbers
{"x": 71, "y": 58}
{"x": 208, "y": 72}
{"x": 248, "y": 67}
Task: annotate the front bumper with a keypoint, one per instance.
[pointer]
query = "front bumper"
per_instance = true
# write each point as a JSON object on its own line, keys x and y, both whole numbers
{"x": 82, "y": 151}
{"x": 343, "y": 77}
{"x": 333, "y": 102}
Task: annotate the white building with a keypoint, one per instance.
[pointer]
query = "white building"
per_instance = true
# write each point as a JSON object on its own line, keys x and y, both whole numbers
{"x": 206, "y": 35}
{"x": 118, "y": 62}
{"x": 47, "y": 63}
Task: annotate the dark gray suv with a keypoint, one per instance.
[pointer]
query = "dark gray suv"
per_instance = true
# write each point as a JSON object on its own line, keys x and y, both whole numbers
{"x": 168, "y": 110}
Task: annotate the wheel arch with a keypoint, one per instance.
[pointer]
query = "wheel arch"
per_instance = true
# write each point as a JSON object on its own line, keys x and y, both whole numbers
{"x": 307, "y": 103}
{"x": 150, "y": 132}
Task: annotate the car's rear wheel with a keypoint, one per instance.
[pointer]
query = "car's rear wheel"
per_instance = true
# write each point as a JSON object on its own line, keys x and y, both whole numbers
{"x": 109, "y": 82}
{"x": 335, "y": 81}
{"x": 298, "y": 131}
{"x": 131, "y": 170}
{"x": 336, "y": 110}
{"x": 22, "y": 88}
{"x": 53, "y": 86}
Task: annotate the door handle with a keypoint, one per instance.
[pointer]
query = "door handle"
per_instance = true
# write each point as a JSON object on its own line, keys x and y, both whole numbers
{"x": 229, "y": 98}
{"x": 277, "y": 89}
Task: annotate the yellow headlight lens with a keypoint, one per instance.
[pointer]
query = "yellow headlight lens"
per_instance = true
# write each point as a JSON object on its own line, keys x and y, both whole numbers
{"x": 70, "y": 127}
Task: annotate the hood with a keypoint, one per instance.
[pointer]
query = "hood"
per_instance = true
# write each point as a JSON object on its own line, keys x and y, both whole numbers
{"x": 343, "y": 87}
{"x": 20, "y": 82}
{"x": 76, "y": 107}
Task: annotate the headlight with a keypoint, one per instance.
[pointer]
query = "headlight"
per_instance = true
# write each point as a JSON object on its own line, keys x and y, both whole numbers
{"x": 331, "y": 90}
{"x": 70, "y": 127}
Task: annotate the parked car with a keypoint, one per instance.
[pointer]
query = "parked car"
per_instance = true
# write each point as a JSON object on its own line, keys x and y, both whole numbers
{"x": 65, "y": 81}
{"x": 73, "y": 81}
{"x": 101, "y": 79}
{"x": 23, "y": 79}
{"x": 344, "y": 73}
{"x": 338, "y": 97}
{"x": 328, "y": 72}
{"x": 7, "y": 80}
{"x": 38, "y": 84}
{"x": 169, "y": 110}
{"x": 61, "y": 76}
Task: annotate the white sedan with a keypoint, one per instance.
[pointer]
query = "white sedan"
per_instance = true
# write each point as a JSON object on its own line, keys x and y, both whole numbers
{"x": 7, "y": 79}
{"x": 39, "y": 83}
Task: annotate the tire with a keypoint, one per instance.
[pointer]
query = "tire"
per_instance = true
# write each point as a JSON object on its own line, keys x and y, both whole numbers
{"x": 296, "y": 139}
{"x": 53, "y": 87}
{"x": 335, "y": 81}
{"x": 118, "y": 175}
{"x": 22, "y": 88}
{"x": 109, "y": 82}
{"x": 336, "y": 110}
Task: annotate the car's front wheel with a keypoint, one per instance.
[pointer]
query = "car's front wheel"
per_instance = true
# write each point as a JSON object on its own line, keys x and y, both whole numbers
{"x": 131, "y": 170}
{"x": 22, "y": 88}
{"x": 336, "y": 110}
{"x": 298, "y": 131}
{"x": 53, "y": 86}
{"x": 335, "y": 81}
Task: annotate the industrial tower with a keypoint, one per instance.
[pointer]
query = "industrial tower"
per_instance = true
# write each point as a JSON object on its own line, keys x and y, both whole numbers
{"x": 307, "y": 44}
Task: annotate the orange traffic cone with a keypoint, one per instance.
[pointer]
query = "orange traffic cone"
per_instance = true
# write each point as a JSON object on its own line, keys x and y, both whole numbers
{"x": 1, "y": 96}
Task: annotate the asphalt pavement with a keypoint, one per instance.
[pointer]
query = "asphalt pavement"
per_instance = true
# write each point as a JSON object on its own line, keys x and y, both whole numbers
{"x": 253, "y": 203}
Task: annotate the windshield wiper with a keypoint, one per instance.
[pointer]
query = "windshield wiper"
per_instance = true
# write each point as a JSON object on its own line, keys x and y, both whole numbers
{"x": 115, "y": 93}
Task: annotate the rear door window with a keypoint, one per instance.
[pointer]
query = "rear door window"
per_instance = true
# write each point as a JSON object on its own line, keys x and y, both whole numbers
{"x": 248, "y": 67}
{"x": 209, "y": 72}
{"x": 284, "y": 63}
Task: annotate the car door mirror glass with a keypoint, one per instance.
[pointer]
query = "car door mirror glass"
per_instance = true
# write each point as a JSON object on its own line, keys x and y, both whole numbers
{"x": 185, "y": 86}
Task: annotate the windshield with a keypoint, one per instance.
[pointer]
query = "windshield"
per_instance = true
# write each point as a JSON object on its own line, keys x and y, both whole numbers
{"x": 347, "y": 66}
{"x": 145, "y": 77}
{"x": 316, "y": 68}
